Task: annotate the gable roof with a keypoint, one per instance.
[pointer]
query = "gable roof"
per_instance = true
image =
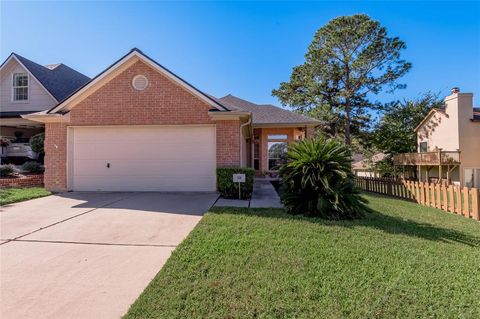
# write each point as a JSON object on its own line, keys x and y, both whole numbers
{"x": 149, "y": 61}
{"x": 365, "y": 163}
{"x": 264, "y": 114}
{"x": 429, "y": 114}
{"x": 58, "y": 80}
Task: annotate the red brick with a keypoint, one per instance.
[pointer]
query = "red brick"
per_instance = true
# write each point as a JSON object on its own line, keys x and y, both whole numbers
{"x": 164, "y": 102}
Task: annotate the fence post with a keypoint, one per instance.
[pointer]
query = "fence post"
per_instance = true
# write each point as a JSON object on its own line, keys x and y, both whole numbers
{"x": 439, "y": 196}
{"x": 417, "y": 192}
{"x": 458, "y": 209}
{"x": 427, "y": 194}
{"x": 466, "y": 203}
{"x": 475, "y": 203}
{"x": 445, "y": 199}
{"x": 451, "y": 198}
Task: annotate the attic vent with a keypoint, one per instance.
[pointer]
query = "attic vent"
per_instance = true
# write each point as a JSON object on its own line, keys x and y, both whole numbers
{"x": 140, "y": 82}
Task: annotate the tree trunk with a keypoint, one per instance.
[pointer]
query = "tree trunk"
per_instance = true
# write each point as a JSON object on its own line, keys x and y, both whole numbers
{"x": 348, "y": 140}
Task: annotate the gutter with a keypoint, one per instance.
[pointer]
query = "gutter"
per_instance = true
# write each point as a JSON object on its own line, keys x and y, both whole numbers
{"x": 241, "y": 138}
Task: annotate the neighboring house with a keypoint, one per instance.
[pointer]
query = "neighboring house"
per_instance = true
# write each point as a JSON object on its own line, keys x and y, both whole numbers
{"x": 365, "y": 167}
{"x": 448, "y": 143}
{"x": 27, "y": 87}
{"x": 138, "y": 127}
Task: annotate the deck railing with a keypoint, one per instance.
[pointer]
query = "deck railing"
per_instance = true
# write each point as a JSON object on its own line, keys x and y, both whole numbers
{"x": 428, "y": 158}
{"x": 454, "y": 199}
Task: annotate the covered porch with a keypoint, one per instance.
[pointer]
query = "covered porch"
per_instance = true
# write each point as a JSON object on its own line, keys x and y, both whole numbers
{"x": 267, "y": 148}
{"x": 12, "y": 126}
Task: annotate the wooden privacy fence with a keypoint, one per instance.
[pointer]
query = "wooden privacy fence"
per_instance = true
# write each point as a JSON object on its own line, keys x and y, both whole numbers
{"x": 458, "y": 200}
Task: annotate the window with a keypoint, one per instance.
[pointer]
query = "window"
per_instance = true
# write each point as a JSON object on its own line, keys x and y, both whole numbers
{"x": 256, "y": 156}
{"x": 20, "y": 87}
{"x": 277, "y": 152}
{"x": 472, "y": 177}
{"x": 423, "y": 147}
{"x": 277, "y": 136}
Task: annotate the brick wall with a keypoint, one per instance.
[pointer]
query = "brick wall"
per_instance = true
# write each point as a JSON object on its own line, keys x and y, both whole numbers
{"x": 34, "y": 180}
{"x": 55, "y": 156}
{"x": 164, "y": 102}
{"x": 228, "y": 143}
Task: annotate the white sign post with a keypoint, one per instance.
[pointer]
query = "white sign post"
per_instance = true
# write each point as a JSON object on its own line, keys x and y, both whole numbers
{"x": 239, "y": 178}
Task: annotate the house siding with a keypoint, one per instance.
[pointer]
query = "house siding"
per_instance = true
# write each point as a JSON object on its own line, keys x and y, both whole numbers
{"x": 118, "y": 103}
{"x": 452, "y": 131}
{"x": 38, "y": 98}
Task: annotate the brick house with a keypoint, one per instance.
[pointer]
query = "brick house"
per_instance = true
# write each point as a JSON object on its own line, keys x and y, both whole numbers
{"x": 138, "y": 127}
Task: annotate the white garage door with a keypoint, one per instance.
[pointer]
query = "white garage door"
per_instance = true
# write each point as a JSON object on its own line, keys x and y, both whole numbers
{"x": 143, "y": 158}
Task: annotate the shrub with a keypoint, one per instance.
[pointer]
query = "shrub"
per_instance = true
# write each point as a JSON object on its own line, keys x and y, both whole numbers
{"x": 32, "y": 167}
{"x": 318, "y": 181}
{"x": 229, "y": 189}
{"x": 37, "y": 141}
{"x": 7, "y": 170}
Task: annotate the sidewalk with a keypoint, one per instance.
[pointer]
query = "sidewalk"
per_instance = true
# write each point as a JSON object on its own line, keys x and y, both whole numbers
{"x": 264, "y": 196}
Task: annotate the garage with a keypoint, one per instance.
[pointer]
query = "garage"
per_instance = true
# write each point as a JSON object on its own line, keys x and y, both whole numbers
{"x": 142, "y": 158}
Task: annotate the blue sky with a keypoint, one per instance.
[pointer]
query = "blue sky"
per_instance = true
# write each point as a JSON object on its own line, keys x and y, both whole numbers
{"x": 243, "y": 48}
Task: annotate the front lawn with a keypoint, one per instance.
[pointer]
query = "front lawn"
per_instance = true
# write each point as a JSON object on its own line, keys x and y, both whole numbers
{"x": 13, "y": 195}
{"x": 404, "y": 261}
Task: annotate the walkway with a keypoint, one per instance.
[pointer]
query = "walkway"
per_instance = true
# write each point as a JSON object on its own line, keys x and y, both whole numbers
{"x": 264, "y": 196}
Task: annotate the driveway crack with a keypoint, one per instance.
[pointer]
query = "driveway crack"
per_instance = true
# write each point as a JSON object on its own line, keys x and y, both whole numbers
{"x": 66, "y": 219}
{"x": 91, "y": 243}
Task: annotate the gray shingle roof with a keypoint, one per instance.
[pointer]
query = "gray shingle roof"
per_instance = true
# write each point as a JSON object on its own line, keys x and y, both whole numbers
{"x": 59, "y": 79}
{"x": 266, "y": 113}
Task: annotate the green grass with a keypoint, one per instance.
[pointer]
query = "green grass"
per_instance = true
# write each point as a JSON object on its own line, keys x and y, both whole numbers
{"x": 404, "y": 261}
{"x": 13, "y": 195}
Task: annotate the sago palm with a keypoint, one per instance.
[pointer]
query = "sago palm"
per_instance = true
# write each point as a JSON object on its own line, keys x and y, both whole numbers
{"x": 318, "y": 181}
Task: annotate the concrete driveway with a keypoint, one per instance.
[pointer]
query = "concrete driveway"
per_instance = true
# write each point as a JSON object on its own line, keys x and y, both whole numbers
{"x": 89, "y": 255}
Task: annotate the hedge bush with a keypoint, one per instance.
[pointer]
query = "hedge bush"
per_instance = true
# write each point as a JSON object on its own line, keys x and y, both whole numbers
{"x": 32, "y": 167}
{"x": 229, "y": 189}
{"x": 37, "y": 142}
{"x": 7, "y": 170}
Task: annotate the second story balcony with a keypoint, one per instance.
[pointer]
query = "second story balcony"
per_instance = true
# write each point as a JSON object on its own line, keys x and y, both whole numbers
{"x": 428, "y": 158}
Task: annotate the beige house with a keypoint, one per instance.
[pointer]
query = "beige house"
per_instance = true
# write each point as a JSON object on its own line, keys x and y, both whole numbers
{"x": 27, "y": 87}
{"x": 448, "y": 143}
{"x": 366, "y": 166}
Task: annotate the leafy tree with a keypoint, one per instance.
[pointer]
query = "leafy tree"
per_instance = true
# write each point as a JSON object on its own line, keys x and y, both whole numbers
{"x": 349, "y": 58}
{"x": 318, "y": 180}
{"x": 394, "y": 133}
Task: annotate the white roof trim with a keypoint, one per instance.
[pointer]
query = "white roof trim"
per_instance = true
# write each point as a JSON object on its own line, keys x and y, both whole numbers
{"x": 12, "y": 56}
{"x": 148, "y": 61}
{"x": 427, "y": 117}
{"x": 43, "y": 117}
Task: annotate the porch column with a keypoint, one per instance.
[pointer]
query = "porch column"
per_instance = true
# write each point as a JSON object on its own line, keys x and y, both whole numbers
{"x": 440, "y": 165}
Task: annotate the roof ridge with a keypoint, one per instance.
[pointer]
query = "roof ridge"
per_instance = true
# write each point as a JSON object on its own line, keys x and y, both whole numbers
{"x": 53, "y": 66}
{"x": 59, "y": 80}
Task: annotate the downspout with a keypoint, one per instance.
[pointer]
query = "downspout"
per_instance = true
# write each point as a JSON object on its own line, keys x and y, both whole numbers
{"x": 241, "y": 137}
